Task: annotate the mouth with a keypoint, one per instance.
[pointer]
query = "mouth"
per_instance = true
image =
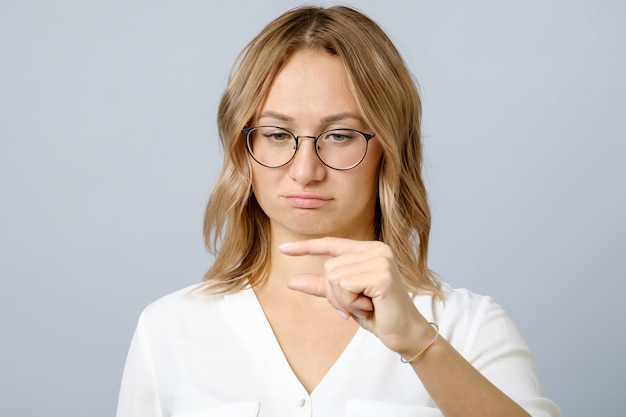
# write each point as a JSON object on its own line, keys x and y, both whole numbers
{"x": 306, "y": 200}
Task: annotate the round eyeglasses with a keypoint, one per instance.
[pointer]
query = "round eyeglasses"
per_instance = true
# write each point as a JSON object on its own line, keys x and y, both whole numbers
{"x": 274, "y": 147}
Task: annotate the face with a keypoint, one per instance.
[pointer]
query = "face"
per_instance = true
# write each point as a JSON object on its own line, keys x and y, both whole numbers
{"x": 305, "y": 198}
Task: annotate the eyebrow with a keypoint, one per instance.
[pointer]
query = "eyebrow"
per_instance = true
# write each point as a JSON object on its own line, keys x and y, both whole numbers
{"x": 328, "y": 119}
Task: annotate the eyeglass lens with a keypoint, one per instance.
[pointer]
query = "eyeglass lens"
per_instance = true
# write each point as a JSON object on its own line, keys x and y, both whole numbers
{"x": 337, "y": 148}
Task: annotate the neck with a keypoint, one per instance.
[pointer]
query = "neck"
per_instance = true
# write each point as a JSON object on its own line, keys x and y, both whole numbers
{"x": 283, "y": 267}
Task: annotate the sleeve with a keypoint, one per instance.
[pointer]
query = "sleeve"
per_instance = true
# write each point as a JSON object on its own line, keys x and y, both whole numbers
{"x": 497, "y": 349}
{"x": 138, "y": 395}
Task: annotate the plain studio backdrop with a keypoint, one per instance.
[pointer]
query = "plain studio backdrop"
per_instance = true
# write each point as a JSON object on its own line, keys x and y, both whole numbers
{"x": 109, "y": 151}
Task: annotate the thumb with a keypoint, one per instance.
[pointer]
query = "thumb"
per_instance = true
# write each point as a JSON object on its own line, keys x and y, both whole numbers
{"x": 312, "y": 284}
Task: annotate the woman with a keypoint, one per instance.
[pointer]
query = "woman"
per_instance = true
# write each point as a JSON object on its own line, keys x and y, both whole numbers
{"x": 320, "y": 301}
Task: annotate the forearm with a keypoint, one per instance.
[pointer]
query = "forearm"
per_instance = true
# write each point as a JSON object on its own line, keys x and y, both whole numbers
{"x": 458, "y": 388}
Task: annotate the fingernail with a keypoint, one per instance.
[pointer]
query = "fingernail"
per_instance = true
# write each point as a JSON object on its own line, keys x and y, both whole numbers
{"x": 285, "y": 245}
{"x": 343, "y": 314}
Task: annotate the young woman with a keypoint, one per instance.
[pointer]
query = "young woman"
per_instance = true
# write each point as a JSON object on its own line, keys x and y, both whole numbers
{"x": 320, "y": 302}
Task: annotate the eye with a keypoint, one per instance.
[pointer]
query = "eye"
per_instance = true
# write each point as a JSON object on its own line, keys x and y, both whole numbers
{"x": 276, "y": 136}
{"x": 339, "y": 137}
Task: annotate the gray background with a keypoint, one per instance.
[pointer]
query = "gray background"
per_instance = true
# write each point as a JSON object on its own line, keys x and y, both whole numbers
{"x": 108, "y": 152}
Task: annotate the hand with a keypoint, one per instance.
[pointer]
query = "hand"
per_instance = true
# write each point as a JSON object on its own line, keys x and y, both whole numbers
{"x": 361, "y": 279}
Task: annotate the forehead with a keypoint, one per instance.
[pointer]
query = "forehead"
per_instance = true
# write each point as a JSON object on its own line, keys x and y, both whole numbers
{"x": 311, "y": 85}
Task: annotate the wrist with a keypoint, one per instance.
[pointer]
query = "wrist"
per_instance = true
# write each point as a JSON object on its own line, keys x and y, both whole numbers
{"x": 428, "y": 338}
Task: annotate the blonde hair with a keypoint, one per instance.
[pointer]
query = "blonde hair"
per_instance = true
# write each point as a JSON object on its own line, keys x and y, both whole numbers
{"x": 236, "y": 229}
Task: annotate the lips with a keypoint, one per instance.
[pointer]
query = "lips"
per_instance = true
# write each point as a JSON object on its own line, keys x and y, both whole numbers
{"x": 306, "y": 200}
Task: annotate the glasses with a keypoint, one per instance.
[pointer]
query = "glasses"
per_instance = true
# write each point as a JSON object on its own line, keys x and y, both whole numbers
{"x": 274, "y": 147}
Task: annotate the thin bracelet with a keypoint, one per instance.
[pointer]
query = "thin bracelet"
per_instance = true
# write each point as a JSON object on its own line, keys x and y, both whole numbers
{"x": 421, "y": 352}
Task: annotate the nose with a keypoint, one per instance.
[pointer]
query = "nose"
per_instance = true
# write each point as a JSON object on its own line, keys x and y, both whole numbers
{"x": 306, "y": 167}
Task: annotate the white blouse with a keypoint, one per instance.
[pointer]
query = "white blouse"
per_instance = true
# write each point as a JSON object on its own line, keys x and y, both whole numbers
{"x": 201, "y": 355}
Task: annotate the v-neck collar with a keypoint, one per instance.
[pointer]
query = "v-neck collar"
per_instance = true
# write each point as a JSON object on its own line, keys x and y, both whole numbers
{"x": 250, "y": 321}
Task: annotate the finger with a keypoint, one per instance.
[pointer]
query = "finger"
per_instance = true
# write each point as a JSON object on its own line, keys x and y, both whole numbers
{"x": 312, "y": 284}
{"x": 353, "y": 302}
{"x": 361, "y": 274}
{"x": 328, "y": 246}
{"x": 362, "y": 303}
{"x": 315, "y": 285}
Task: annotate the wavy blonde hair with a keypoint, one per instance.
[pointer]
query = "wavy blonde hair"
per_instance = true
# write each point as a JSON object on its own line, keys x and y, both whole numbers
{"x": 236, "y": 230}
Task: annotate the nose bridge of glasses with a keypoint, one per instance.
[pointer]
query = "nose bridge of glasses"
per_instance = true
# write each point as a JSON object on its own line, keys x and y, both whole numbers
{"x": 313, "y": 138}
{"x": 298, "y": 142}
{"x": 305, "y": 137}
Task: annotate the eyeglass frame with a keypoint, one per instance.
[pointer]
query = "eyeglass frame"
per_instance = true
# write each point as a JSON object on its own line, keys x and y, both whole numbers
{"x": 368, "y": 136}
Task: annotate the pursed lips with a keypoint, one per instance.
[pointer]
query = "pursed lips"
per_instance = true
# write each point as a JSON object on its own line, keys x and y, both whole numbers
{"x": 306, "y": 199}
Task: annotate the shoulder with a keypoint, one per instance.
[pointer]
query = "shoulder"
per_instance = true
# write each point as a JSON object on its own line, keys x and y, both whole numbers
{"x": 455, "y": 303}
{"x": 187, "y": 305}
{"x": 184, "y": 297}
{"x": 467, "y": 318}
{"x": 465, "y": 302}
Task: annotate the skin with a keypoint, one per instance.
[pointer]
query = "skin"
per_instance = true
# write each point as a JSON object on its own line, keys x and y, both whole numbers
{"x": 327, "y": 274}
{"x": 305, "y": 198}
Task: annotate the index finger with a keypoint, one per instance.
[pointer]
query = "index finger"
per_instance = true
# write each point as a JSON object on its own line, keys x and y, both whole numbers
{"x": 328, "y": 246}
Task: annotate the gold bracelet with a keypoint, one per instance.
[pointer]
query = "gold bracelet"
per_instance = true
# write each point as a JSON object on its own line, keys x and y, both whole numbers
{"x": 421, "y": 352}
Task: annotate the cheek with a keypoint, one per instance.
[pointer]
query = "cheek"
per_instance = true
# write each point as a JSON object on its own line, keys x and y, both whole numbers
{"x": 372, "y": 169}
{"x": 262, "y": 179}
{"x": 363, "y": 186}
{"x": 255, "y": 172}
